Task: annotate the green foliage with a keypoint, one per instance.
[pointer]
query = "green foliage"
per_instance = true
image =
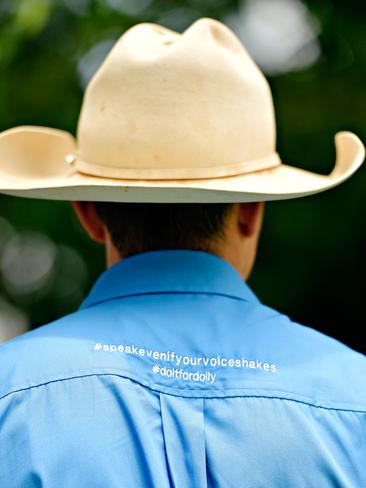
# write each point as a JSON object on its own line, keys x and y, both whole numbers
{"x": 31, "y": 16}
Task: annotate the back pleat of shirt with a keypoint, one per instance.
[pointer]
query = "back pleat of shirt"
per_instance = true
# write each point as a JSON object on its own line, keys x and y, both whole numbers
{"x": 183, "y": 430}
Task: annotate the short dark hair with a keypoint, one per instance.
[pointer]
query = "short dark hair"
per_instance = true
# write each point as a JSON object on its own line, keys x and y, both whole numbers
{"x": 140, "y": 227}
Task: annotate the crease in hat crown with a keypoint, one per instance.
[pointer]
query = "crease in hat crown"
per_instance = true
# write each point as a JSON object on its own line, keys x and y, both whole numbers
{"x": 165, "y": 105}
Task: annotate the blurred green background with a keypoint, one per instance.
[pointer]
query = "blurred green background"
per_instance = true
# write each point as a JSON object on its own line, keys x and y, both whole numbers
{"x": 311, "y": 261}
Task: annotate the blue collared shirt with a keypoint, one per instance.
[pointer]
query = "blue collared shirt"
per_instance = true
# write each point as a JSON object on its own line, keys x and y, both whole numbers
{"x": 173, "y": 374}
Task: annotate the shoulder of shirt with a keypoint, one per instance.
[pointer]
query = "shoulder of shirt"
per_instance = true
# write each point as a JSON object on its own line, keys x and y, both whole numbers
{"x": 47, "y": 353}
{"x": 41, "y": 355}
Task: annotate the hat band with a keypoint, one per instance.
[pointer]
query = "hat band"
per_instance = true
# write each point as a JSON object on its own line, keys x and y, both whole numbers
{"x": 105, "y": 171}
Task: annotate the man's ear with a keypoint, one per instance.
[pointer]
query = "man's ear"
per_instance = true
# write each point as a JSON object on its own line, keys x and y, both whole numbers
{"x": 250, "y": 217}
{"x": 90, "y": 220}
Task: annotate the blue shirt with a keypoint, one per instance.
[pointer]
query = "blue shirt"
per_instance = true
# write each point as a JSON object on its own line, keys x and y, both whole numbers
{"x": 173, "y": 374}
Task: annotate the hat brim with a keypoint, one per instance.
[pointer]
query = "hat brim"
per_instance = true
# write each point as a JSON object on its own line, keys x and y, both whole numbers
{"x": 33, "y": 164}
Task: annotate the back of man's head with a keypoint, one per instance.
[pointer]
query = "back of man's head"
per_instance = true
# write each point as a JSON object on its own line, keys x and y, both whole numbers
{"x": 140, "y": 227}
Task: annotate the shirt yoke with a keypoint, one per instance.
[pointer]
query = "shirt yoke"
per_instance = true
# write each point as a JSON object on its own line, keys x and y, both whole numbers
{"x": 313, "y": 368}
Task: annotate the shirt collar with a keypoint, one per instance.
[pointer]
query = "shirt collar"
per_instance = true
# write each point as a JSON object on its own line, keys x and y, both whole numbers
{"x": 169, "y": 271}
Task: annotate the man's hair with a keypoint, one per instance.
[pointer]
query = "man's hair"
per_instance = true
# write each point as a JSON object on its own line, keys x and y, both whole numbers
{"x": 140, "y": 227}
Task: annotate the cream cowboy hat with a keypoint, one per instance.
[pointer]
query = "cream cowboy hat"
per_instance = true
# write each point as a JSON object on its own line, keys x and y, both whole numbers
{"x": 168, "y": 118}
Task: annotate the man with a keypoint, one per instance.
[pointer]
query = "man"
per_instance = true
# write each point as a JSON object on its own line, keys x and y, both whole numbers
{"x": 172, "y": 373}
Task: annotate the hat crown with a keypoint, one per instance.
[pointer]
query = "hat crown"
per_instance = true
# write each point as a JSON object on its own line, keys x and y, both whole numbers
{"x": 171, "y": 105}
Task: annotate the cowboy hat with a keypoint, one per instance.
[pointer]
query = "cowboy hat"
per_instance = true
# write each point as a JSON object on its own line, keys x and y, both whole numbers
{"x": 168, "y": 117}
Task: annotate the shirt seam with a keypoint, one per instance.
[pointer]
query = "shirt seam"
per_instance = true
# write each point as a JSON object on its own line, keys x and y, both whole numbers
{"x": 168, "y": 464}
{"x": 86, "y": 305}
{"x": 244, "y": 395}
